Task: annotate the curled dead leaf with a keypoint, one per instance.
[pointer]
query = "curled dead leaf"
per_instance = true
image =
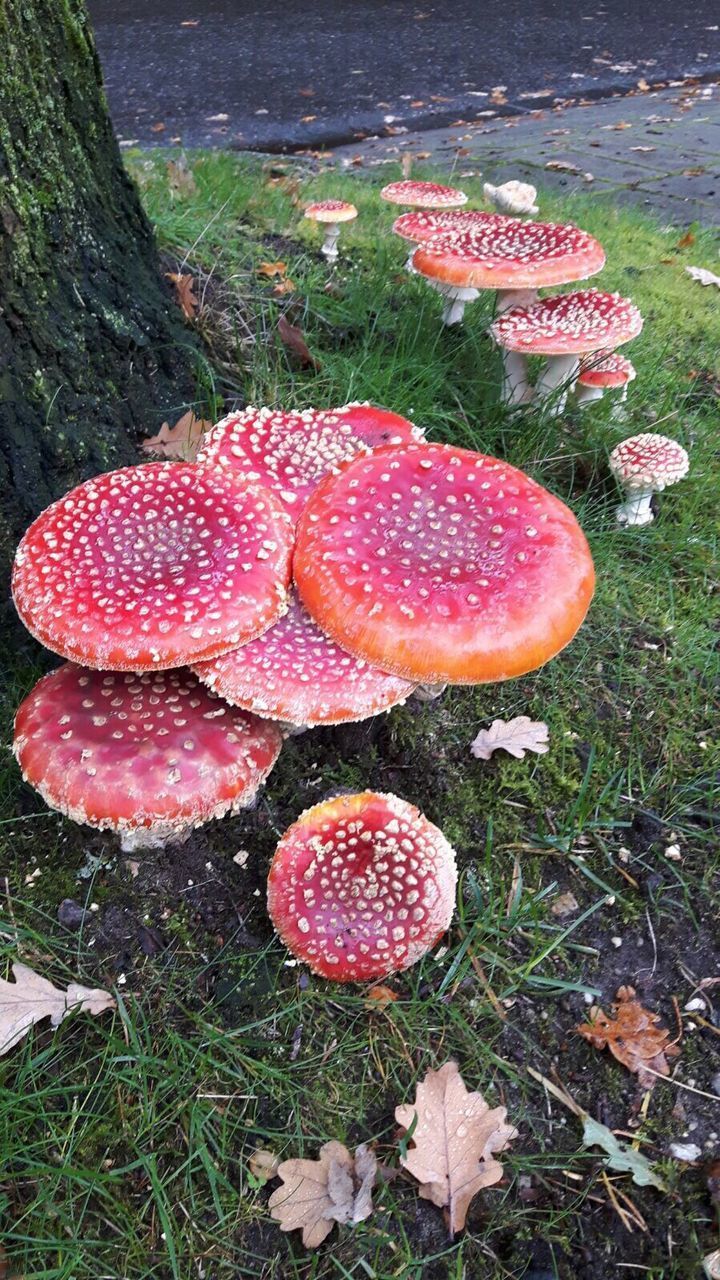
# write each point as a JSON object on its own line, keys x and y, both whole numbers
{"x": 184, "y": 292}
{"x": 379, "y": 997}
{"x": 318, "y": 1193}
{"x": 292, "y": 337}
{"x": 180, "y": 441}
{"x": 272, "y": 269}
{"x": 633, "y": 1037}
{"x": 30, "y": 998}
{"x": 263, "y": 1165}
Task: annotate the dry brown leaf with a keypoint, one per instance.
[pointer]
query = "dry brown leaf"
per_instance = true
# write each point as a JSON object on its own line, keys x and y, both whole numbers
{"x": 284, "y": 286}
{"x": 180, "y": 441}
{"x": 562, "y": 166}
{"x": 379, "y": 997}
{"x": 184, "y": 292}
{"x": 272, "y": 269}
{"x": 498, "y": 96}
{"x": 263, "y": 1165}
{"x": 632, "y": 1036}
{"x": 454, "y": 1142}
{"x": 318, "y": 1193}
{"x": 180, "y": 178}
{"x": 291, "y": 336}
{"x": 515, "y": 736}
{"x": 566, "y": 904}
{"x": 643, "y": 85}
{"x": 31, "y": 998}
{"x": 696, "y": 171}
{"x": 158, "y": 128}
{"x": 307, "y": 119}
{"x": 685, "y": 241}
{"x": 643, "y": 148}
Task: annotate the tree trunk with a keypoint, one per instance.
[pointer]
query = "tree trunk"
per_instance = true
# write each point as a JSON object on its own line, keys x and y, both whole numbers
{"x": 93, "y": 351}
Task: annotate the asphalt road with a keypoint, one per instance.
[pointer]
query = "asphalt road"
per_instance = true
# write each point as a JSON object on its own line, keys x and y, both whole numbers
{"x": 284, "y": 73}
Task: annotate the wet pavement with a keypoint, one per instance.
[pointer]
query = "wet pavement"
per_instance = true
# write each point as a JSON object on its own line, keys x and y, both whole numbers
{"x": 279, "y": 75}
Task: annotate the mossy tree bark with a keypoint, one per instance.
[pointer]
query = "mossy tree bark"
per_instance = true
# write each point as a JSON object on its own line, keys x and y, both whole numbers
{"x": 93, "y": 351}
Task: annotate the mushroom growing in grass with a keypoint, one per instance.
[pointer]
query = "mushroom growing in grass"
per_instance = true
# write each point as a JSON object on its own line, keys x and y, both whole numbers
{"x": 440, "y": 564}
{"x": 290, "y": 451}
{"x": 149, "y": 756}
{"x": 598, "y": 373}
{"x": 154, "y": 566}
{"x": 296, "y": 674}
{"x": 563, "y": 328}
{"x": 362, "y": 886}
{"x": 421, "y": 225}
{"x": 644, "y": 465}
{"x": 516, "y": 259}
{"x": 330, "y": 214}
{"x": 512, "y": 198}
{"x": 423, "y": 195}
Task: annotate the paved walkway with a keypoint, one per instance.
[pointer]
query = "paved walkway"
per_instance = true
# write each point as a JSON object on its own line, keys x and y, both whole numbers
{"x": 658, "y": 149}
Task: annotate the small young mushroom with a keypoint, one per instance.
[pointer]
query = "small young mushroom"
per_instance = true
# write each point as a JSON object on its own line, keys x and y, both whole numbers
{"x": 423, "y": 195}
{"x": 296, "y": 674}
{"x": 440, "y": 564}
{"x": 330, "y": 213}
{"x": 513, "y": 198}
{"x": 563, "y": 328}
{"x": 290, "y": 451}
{"x": 149, "y": 756}
{"x": 644, "y": 465}
{"x": 154, "y": 566}
{"x": 362, "y": 886}
{"x": 515, "y": 258}
{"x": 598, "y": 372}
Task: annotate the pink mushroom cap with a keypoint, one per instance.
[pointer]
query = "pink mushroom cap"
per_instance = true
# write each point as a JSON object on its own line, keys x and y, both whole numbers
{"x": 331, "y": 211}
{"x": 297, "y": 674}
{"x": 649, "y": 461}
{"x": 423, "y": 195}
{"x": 154, "y": 566}
{"x": 606, "y": 369}
{"x": 419, "y": 226}
{"x": 361, "y": 886}
{"x": 512, "y": 255}
{"x": 290, "y": 451}
{"x": 568, "y": 324}
{"x": 440, "y": 564}
{"x": 150, "y": 756}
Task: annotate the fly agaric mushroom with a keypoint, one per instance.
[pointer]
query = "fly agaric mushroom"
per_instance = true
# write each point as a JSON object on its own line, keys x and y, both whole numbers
{"x": 644, "y": 465}
{"x": 563, "y": 328}
{"x": 296, "y": 674}
{"x": 423, "y": 195}
{"x": 420, "y": 225}
{"x": 154, "y": 566}
{"x": 150, "y": 756}
{"x": 600, "y": 371}
{"x": 512, "y": 198}
{"x": 330, "y": 213}
{"x": 361, "y": 886}
{"x": 290, "y": 451}
{"x": 516, "y": 259}
{"x": 439, "y": 564}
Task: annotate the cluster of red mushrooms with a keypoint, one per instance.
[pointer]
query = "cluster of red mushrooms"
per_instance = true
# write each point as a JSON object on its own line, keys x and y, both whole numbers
{"x": 309, "y": 568}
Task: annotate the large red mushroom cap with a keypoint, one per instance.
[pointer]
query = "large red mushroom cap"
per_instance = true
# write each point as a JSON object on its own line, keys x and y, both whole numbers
{"x": 154, "y": 566}
{"x": 295, "y": 673}
{"x": 423, "y": 195}
{"x": 331, "y": 211}
{"x": 569, "y": 324}
{"x": 290, "y": 451}
{"x": 149, "y": 756}
{"x": 421, "y": 226}
{"x": 513, "y": 255}
{"x": 361, "y": 886}
{"x": 440, "y": 564}
{"x": 605, "y": 369}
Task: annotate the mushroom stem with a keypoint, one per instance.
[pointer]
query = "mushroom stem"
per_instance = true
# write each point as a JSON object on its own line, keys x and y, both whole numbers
{"x": 636, "y": 509}
{"x": 157, "y": 836}
{"x": 558, "y": 376}
{"x": 456, "y": 301}
{"x": 585, "y": 395}
{"x": 516, "y": 386}
{"x": 329, "y": 244}
{"x": 429, "y": 692}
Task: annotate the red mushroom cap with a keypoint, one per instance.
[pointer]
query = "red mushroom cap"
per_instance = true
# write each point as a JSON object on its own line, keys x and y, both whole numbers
{"x": 568, "y": 324}
{"x": 419, "y": 226}
{"x": 649, "y": 461}
{"x": 295, "y": 673}
{"x": 331, "y": 211}
{"x": 514, "y": 255}
{"x": 149, "y": 756}
{"x": 154, "y": 566}
{"x": 440, "y": 564}
{"x": 291, "y": 451}
{"x": 423, "y": 195}
{"x": 605, "y": 369}
{"x": 361, "y": 886}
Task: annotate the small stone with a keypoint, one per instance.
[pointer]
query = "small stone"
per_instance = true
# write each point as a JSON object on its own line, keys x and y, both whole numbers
{"x": 565, "y": 905}
{"x": 617, "y": 942}
{"x": 673, "y": 852}
{"x": 71, "y": 914}
{"x": 694, "y": 1005}
{"x": 241, "y": 857}
{"x": 689, "y": 1152}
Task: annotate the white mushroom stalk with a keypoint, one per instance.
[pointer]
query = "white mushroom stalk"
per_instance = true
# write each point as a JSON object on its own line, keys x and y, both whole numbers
{"x": 556, "y": 381}
{"x": 329, "y": 246}
{"x": 585, "y": 395}
{"x": 456, "y": 300}
{"x": 516, "y": 386}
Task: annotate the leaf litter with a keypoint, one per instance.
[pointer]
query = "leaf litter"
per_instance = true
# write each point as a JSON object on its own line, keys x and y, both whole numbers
{"x": 31, "y": 998}
{"x": 318, "y": 1193}
{"x": 633, "y": 1037}
{"x": 515, "y": 736}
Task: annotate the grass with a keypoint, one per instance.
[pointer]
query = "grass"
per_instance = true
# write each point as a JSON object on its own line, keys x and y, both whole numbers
{"x": 125, "y": 1140}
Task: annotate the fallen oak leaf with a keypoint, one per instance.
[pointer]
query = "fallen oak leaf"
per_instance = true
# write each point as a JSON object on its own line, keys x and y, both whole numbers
{"x": 455, "y": 1139}
{"x": 272, "y": 269}
{"x": 291, "y": 336}
{"x": 30, "y": 998}
{"x": 632, "y": 1036}
{"x": 282, "y": 287}
{"x": 703, "y": 276}
{"x": 184, "y": 292}
{"x": 685, "y": 241}
{"x": 318, "y": 1193}
{"x": 562, "y": 166}
{"x": 180, "y": 441}
{"x": 515, "y": 736}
